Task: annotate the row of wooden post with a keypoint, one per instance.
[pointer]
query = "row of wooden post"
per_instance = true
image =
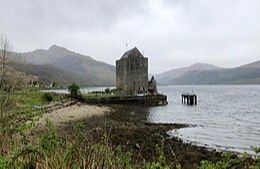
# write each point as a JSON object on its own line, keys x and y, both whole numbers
{"x": 189, "y": 99}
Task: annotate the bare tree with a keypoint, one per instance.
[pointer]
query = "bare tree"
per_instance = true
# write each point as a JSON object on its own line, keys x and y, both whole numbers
{"x": 4, "y": 85}
{"x": 11, "y": 116}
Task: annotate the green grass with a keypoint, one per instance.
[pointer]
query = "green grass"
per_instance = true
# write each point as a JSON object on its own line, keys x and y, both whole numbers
{"x": 34, "y": 97}
{"x": 230, "y": 161}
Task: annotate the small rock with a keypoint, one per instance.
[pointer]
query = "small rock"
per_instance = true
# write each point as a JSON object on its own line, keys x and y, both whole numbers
{"x": 137, "y": 146}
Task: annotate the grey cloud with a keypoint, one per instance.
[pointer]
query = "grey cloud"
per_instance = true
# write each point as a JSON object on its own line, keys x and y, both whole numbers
{"x": 68, "y": 14}
{"x": 172, "y": 33}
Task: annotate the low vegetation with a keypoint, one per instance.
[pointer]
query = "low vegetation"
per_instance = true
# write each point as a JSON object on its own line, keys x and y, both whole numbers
{"x": 231, "y": 161}
{"x": 49, "y": 150}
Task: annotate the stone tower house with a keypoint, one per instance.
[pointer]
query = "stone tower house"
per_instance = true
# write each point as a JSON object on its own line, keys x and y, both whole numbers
{"x": 132, "y": 72}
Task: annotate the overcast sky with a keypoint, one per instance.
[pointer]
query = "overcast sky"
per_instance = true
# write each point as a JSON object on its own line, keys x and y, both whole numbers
{"x": 171, "y": 33}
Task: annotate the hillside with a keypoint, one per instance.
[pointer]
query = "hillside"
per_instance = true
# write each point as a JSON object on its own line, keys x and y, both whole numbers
{"x": 49, "y": 74}
{"x": 167, "y": 77}
{"x": 64, "y": 66}
{"x": 246, "y": 74}
{"x": 252, "y": 65}
{"x": 224, "y": 76}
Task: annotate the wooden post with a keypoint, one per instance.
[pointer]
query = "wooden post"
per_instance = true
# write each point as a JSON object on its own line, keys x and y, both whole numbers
{"x": 189, "y": 99}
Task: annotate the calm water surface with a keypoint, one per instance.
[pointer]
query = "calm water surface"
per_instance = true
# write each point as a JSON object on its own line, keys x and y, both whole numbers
{"x": 226, "y": 117}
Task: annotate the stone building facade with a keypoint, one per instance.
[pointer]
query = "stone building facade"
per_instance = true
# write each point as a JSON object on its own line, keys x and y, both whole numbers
{"x": 152, "y": 86}
{"x": 132, "y": 72}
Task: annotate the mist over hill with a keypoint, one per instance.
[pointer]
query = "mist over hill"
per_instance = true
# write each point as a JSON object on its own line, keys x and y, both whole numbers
{"x": 252, "y": 65}
{"x": 209, "y": 74}
{"x": 169, "y": 76}
{"x": 63, "y": 66}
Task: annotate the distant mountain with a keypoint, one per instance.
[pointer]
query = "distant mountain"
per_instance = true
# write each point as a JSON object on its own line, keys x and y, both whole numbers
{"x": 169, "y": 76}
{"x": 252, "y": 65}
{"x": 61, "y": 65}
{"x": 222, "y": 76}
{"x": 246, "y": 74}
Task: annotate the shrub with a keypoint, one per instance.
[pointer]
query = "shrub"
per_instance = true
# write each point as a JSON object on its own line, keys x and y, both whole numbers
{"x": 47, "y": 97}
{"x": 107, "y": 90}
{"x": 74, "y": 90}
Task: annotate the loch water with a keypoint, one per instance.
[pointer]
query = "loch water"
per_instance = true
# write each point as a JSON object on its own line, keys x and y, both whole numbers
{"x": 227, "y": 117}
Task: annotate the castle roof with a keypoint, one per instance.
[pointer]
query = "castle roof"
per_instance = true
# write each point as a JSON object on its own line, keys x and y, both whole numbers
{"x": 132, "y": 52}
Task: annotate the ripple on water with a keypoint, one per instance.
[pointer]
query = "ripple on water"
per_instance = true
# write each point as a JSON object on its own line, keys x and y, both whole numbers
{"x": 228, "y": 117}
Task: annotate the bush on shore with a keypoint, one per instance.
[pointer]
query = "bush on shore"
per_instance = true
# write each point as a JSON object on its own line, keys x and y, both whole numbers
{"x": 74, "y": 90}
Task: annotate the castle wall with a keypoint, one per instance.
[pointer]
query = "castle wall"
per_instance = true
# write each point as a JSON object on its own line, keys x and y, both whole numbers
{"x": 132, "y": 74}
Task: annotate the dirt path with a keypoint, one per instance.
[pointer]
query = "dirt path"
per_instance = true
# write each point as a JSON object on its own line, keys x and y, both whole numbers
{"x": 75, "y": 112}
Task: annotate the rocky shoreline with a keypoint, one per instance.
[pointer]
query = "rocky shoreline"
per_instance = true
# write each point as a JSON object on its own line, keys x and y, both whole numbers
{"x": 125, "y": 126}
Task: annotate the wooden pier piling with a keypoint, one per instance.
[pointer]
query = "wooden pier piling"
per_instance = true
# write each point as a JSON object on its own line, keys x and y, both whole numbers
{"x": 189, "y": 99}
